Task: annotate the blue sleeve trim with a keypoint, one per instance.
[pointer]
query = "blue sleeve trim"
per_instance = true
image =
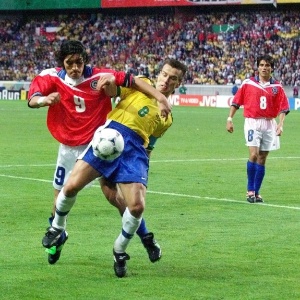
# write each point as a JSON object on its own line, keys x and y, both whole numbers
{"x": 152, "y": 141}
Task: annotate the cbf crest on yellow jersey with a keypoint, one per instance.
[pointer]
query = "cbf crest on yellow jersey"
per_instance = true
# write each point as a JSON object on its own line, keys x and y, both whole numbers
{"x": 140, "y": 113}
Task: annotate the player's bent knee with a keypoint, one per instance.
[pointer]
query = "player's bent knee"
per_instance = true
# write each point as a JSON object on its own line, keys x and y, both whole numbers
{"x": 137, "y": 209}
{"x": 71, "y": 189}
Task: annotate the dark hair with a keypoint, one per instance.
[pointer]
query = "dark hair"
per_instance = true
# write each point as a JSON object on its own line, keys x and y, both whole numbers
{"x": 71, "y": 47}
{"x": 266, "y": 58}
{"x": 176, "y": 64}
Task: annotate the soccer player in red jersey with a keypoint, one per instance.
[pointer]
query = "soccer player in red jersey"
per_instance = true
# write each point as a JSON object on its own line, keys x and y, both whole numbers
{"x": 263, "y": 99}
{"x": 137, "y": 117}
{"x": 76, "y": 108}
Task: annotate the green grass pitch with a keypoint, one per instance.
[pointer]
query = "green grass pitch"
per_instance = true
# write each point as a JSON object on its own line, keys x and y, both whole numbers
{"x": 215, "y": 245}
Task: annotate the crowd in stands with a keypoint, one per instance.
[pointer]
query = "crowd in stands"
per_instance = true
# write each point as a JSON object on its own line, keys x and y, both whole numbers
{"x": 138, "y": 43}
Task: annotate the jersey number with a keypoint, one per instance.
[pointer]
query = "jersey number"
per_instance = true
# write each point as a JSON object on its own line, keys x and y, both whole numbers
{"x": 263, "y": 102}
{"x": 60, "y": 175}
{"x": 79, "y": 104}
{"x": 143, "y": 111}
{"x": 250, "y": 135}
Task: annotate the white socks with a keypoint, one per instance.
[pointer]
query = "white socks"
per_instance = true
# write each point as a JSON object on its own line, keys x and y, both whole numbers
{"x": 63, "y": 206}
{"x": 130, "y": 224}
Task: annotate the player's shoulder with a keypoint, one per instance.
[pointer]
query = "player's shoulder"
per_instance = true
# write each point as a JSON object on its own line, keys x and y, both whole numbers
{"x": 251, "y": 79}
{"x": 146, "y": 79}
{"x": 275, "y": 81}
{"x": 50, "y": 71}
{"x": 246, "y": 81}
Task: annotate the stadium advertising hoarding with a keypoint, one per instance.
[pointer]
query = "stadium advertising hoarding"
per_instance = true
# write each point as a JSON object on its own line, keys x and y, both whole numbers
{"x": 14, "y": 90}
{"x": 144, "y": 3}
{"x": 18, "y": 90}
{"x": 219, "y": 101}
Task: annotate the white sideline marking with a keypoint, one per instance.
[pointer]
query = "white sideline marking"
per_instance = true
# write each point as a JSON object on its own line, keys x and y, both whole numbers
{"x": 163, "y": 161}
{"x": 223, "y": 199}
{"x": 29, "y": 166}
{"x": 172, "y": 194}
{"x": 217, "y": 159}
{"x": 24, "y": 178}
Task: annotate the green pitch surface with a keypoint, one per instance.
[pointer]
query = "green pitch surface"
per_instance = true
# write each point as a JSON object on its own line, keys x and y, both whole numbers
{"x": 215, "y": 245}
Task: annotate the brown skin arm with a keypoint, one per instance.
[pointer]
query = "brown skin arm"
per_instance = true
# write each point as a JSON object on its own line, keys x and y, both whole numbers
{"x": 107, "y": 82}
{"x": 279, "y": 128}
{"x": 38, "y": 101}
{"x": 229, "y": 123}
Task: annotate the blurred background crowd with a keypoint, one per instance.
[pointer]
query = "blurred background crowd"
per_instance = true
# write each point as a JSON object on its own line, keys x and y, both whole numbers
{"x": 218, "y": 47}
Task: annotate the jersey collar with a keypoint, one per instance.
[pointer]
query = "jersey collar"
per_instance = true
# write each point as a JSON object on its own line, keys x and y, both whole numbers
{"x": 87, "y": 72}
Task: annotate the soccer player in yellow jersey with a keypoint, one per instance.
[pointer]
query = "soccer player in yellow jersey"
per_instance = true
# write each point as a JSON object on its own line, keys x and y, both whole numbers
{"x": 137, "y": 117}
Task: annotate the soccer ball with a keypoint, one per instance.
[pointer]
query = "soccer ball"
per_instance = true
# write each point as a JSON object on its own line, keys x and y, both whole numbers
{"x": 107, "y": 144}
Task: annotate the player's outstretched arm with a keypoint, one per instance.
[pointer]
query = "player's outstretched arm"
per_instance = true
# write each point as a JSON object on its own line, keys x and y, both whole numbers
{"x": 40, "y": 101}
{"x": 142, "y": 86}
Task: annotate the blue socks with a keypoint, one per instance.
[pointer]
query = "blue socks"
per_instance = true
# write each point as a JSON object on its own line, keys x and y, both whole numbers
{"x": 256, "y": 174}
{"x": 142, "y": 230}
{"x": 251, "y": 171}
{"x": 260, "y": 174}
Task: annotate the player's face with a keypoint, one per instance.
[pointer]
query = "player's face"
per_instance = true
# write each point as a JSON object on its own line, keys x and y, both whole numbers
{"x": 74, "y": 65}
{"x": 264, "y": 70}
{"x": 168, "y": 80}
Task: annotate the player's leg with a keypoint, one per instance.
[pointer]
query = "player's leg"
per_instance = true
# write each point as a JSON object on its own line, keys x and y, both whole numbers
{"x": 64, "y": 164}
{"x": 112, "y": 194}
{"x": 115, "y": 197}
{"x": 252, "y": 138}
{"x": 134, "y": 195}
{"x": 269, "y": 136}
{"x": 66, "y": 159}
{"x": 260, "y": 174}
{"x": 81, "y": 175}
{"x": 251, "y": 173}
{"x": 270, "y": 141}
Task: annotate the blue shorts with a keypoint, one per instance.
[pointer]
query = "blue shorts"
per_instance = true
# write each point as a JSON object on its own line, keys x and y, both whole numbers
{"x": 131, "y": 166}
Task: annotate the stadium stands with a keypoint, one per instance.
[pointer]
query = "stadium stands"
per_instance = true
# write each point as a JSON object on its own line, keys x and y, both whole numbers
{"x": 218, "y": 47}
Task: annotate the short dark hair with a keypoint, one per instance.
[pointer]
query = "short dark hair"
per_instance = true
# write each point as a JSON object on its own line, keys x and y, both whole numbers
{"x": 174, "y": 63}
{"x": 266, "y": 58}
{"x": 71, "y": 47}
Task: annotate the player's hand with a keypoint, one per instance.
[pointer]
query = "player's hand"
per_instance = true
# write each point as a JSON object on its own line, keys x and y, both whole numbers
{"x": 165, "y": 109}
{"x": 229, "y": 126}
{"x": 279, "y": 130}
{"x": 52, "y": 99}
{"x": 107, "y": 83}
{"x": 105, "y": 80}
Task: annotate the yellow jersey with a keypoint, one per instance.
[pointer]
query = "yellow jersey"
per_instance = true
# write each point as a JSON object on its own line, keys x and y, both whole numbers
{"x": 140, "y": 113}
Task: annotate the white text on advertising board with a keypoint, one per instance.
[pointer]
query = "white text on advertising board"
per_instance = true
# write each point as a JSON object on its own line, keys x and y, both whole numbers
{"x": 210, "y": 101}
{"x": 9, "y": 95}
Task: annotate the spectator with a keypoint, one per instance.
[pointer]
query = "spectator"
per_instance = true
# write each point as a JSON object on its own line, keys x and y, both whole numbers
{"x": 295, "y": 91}
{"x": 182, "y": 89}
{"x": 234, "y": 89}
{"x": 214, "y": 54}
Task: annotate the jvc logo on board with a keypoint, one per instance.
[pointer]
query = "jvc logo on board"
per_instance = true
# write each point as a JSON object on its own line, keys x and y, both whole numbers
{"x": 210, "y": 101}
{"x": 193, "y": 100}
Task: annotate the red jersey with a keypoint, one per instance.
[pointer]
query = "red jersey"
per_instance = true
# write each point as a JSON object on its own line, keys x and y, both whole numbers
{"x": 82, "y": 109}
{"x": 261, "y": 100}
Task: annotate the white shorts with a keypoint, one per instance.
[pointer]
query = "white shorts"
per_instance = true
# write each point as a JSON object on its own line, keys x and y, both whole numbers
{"x": 261, "y": 133}
{"x": 66, "y": 160}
